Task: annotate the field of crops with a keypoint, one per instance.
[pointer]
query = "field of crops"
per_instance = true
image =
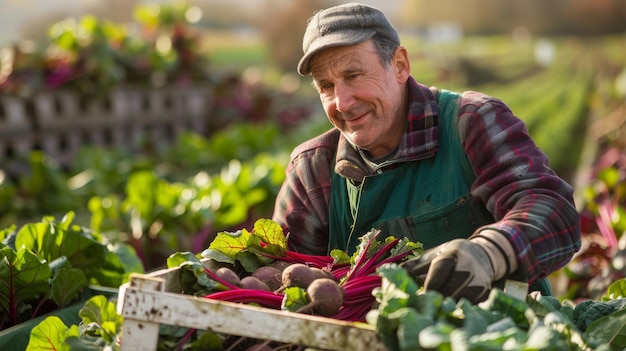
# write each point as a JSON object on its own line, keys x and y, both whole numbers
{"x": 176, "y": 197}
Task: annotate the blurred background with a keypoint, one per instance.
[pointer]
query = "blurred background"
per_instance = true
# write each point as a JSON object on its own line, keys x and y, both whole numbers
{"x": 160, "y": 123}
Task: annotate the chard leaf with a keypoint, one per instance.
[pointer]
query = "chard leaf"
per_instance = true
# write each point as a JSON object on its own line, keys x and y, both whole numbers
{"x": 121, "y": 260}
{"x": 228, "y": 244}
{"x": 23, "y": 276}
{"x": 251, "y": 249}
{"x": 66, "y": 285}
{"x": 7, "y": 233}
{"x": 269, "y": 236}
{"x": 48, "y": 335}
{"x": 100, "y": 312}
{"x": 51, "y": 240}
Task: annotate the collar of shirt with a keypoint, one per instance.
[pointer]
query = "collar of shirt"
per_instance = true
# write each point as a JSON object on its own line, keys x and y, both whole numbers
{"x": 420, "y": 140}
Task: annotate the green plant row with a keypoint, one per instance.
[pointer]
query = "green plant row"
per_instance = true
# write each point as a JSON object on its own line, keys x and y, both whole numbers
{"x": 166, "y": 200}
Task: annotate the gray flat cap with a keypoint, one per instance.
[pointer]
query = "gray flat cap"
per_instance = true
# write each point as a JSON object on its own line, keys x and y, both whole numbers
{"x": 343, "y": 25}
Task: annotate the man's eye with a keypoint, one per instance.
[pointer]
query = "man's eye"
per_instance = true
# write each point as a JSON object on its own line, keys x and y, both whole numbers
{"x": 326, "y": 87}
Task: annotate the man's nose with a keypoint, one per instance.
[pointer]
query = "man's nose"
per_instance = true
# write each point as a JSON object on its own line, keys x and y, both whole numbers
{"x": 344, "y": 97}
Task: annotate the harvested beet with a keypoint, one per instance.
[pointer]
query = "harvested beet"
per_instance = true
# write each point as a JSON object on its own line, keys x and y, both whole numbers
{"x": 228, "y": 275}
{"x": 269, "y": 275}
{"x": 320, "y": 273}
{"x": 325, "y": 296}
{"x": 280, "y": 265}
{"x": 297, "y": 274}
{"x": 253, "y": 283}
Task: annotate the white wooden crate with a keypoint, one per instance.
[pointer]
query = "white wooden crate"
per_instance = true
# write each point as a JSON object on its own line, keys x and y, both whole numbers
{"x": 147, "y": 302}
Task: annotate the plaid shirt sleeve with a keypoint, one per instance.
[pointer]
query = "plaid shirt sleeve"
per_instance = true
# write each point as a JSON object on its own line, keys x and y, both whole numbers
{"x": 532, "y": 206}
{"x": 301, "y": 206}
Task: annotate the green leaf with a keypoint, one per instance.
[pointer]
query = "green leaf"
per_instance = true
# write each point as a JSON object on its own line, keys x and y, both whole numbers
{"x": 545, "y": 338}
{"x": 189, "y": 262}
{"x": 340, "y": 256}
{"x": 617, "y": 290}
{"x": 269, "y": 235}
{"x": 411, "y": 323}
{"x": 66, "y": 285}
{"x": 102, "y": 313}
{"x": 47, "y": 335}
{"x": 475, "y": 319}
{"x": 121, "y": 260}
{"x": 512, "y": 337}
{"x": 82, "y": 343}
{"x": 230, "y": 243}
{"x": 610, "y": 176}
{"x": 217, "y": 256}
{"x": 499, "y": 301}
{"x": 23, "y": 276}
{"x": 610, "y": 330}
{"x": 294, "y": 299}
{"x": 51, "y": 240}
{"x": 436, "y": 336}
{"x": 249, "y": 261}
{"x": 141, "y": 191}
{"x": 179, "y": 259}
{"x": 208, "y": 341}
{"x": 397, "y": 289}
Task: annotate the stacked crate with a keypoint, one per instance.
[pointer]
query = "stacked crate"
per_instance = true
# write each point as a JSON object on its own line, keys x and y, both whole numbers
{"x": 60, "y": 123}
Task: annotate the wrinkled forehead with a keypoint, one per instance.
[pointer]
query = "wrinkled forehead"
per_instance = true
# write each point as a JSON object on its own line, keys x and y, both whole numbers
{"x": 337, "y": 60}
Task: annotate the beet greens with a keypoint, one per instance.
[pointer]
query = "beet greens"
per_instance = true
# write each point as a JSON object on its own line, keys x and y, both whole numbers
{"x": 354, "y": 276}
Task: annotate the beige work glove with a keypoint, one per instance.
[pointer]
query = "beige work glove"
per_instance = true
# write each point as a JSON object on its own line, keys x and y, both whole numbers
{"x": 465, "y": 268}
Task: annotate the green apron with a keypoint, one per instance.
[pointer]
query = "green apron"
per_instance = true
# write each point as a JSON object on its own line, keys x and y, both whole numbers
{"x": 426, "y": 200}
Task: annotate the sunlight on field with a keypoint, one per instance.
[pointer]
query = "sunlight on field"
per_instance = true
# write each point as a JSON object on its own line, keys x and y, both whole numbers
{"x": 235, "y": 48}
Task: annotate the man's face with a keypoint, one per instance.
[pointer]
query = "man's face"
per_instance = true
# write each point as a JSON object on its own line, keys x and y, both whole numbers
{"x": 363, "y": 97}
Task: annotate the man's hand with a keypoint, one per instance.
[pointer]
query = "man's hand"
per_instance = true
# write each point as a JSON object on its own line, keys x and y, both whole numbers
{"x": 464, "y": 268}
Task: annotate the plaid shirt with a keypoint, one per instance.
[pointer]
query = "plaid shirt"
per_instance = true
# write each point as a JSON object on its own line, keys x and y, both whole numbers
{"x": 532, "y": 206}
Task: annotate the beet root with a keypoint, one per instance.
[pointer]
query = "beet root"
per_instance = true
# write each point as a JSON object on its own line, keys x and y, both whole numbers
{"x": 320, "y": 273}
{"x": 228, "y": 275}
{"x": 297, "y": 274}
{"x": 253, "y": 283}
{"x": 269, "y": 275}
{"x": 325, "y": 296}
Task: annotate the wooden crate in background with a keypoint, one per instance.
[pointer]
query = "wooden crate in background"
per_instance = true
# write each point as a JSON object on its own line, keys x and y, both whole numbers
{"x": 59, "y": 123}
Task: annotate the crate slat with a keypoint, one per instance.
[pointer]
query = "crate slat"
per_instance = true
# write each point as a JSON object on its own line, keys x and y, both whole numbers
{"x": 145, "y": 306}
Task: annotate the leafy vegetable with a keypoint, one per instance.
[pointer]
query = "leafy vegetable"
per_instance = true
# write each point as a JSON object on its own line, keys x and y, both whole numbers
{"x": 24, "y": 277}
{"x": 47, "y": 265}
{"x": 409, "y": 319}
{"x": 251, "y": 249}
{"x": 100, "y": 329}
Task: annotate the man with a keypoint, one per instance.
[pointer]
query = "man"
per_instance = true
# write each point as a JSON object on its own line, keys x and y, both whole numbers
{"x": 457, "y": 172}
